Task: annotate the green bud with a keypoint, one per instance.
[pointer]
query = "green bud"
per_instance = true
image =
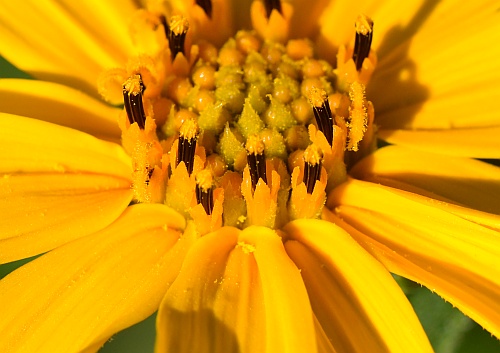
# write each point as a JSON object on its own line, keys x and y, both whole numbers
{"x": 249, "y": 123}
{"x": 232, "y": 96}
{"x": 213, "y": 117}
{"x": 229, "y": 146}
{"x": 278, "y": 116}
{"x": 274, "y": 144}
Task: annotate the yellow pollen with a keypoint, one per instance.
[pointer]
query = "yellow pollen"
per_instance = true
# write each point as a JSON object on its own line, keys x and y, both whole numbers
{"x": 363, "y": 25}
{"x": 317, "y": 97}
{"x": 179, "y": 25}
{"x": 358, "y": 116}
{"x": 133, "y": 85}
{"x": 247, "y": 248}
{"x": 254, "y": 145}
{"x": 204, "y": 179}
{"x": 189, "y": 129}
{"x": 312, "y": 155}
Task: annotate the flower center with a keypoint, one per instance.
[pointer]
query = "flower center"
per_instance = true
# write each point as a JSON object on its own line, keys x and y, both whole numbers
{"x": 255, "y": 132}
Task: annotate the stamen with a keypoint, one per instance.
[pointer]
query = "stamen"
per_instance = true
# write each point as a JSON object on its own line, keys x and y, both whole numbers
{"x": 272, "y": 5}
{"x": 187, "y": 144}
{"x": 133, "y": 89}
{"x": 204, "y": 190}
{"x": 206, "y": 5}
{"x": 322, "y": 112}
{"x": 176, "y": 35}
{"x": 364, "y": 32}
{"x": 256, "y": 160}
{"x": 312, "y": 167}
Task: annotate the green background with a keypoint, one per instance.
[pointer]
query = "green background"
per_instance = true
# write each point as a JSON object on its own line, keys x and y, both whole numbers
{"x": 447, "y": 328}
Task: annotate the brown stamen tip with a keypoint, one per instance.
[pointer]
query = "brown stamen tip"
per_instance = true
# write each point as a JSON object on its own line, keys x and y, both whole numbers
{"x": 364, "y": 32}
{"x": 204, "y": 190}
{"x": 256, "y": 160}
{"x": 206, "y": 5}
{"x": 176, "y": 34}
{"x": 272, "y": 5}
{"x": 133, "y": 90}
{"x": 187, "y": 144}
{"x": 312, "y": 167}
{"x": 322, "y": 112}
{"x": 166, "y": 28}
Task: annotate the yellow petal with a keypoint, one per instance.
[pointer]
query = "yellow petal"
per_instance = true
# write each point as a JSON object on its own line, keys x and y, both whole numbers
{"x": 80, "y": 294}
{"x": 351, "y": 293}
{"x": 65, "y": 41}
{"x": 42, "y": 211}
{"x": 51, "y": 178}
{"x": 445, "y": 76}
{"x": 30, "y": 145}
{"x": 237, "y": 291}
{"x": 59, "y": 104}
{"x": 422, "y": 241}
{"x": 474, "y": 142}
{"x": 460, "y": 180}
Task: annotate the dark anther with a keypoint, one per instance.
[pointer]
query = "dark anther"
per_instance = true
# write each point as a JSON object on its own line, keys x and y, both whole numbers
{"x": 311, "y": 174}
{"x": 312, "y": 167}
{"x": 166, "y": 28}
{"x": 133, "y": 89}
{"x": 205, "y": 197}
{"x": 272, "y": 5}
{"x": 206, "y": 5}
{"x": 322, "y": 113}
{"x": 204, "y": 190}
{"x": 187, "y": 144}
{"x": 364, "y": 33}
{"x": 176, "y": 34}
{"x": 150, "y": 174}
{"x": 257, "y": 165}
{"x": 256, "y": 160}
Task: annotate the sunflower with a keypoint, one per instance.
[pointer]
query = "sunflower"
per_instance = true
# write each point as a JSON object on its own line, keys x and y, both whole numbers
{"x": 239, "y": 191}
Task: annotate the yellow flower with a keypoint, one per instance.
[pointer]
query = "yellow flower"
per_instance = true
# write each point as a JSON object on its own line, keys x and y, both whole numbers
{"x": 284, "y": 281}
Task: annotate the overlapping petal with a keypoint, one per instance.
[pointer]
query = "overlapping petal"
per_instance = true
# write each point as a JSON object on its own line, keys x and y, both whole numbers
{"x": 417, "y": 238}
{"x": 357, "y": 302}
{"x": 66, "y": 41}
{"x": 453, "y": 89}
{"x": 60, "y": 105}
{"x": 31, "y": 145}
{"x": 474, "y": 142}
{"x": 447, "y": 82}
{"x": 75, "y": 297}
{"x": 237, "y": 291}
{"x": 463, "y": 181}
{"x": 57, "y": 185}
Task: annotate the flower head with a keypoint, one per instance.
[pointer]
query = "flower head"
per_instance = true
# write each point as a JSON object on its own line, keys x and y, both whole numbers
{"x": 248, "y": 201}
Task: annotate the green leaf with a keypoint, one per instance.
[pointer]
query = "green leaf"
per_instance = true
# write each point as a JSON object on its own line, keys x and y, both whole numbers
{"x": 139, "y": 338}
